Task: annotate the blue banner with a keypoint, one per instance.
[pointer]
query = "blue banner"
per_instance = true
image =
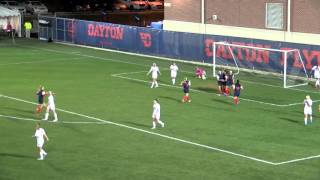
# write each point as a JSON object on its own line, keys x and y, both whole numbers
{"x": 187, "y": 46}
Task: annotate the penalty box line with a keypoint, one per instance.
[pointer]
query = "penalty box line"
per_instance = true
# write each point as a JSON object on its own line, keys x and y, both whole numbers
{"x": 147, "y": 132}
{"x": 119, "y": 75}
{"x": 127, "y": 62}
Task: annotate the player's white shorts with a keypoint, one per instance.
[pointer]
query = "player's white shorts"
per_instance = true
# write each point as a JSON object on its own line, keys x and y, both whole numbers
{"x": 173, "y": 74}
{"x": 51, "y": 107}
{"x": 40, "y": 143}
{"x": 154, "y": 76}
{"x": 156, "y": 116}
{"x": 307, "y": 111}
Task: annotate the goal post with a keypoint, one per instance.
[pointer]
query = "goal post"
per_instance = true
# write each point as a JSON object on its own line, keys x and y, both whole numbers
{"x": 287, "y": 65}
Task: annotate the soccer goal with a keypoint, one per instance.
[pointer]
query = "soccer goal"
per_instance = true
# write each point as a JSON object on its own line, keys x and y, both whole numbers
{"x": 285, "y": 67}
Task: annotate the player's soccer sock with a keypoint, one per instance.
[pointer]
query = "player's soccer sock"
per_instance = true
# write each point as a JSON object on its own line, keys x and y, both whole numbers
{"x": 161, "y": 123}
{"x": 185, "y": 98}
{"x": 188, "y": 99}
{"x": 311, "y": 119}
{"x": 173, "y": 81}
{"x": 38, "y": 109}
{"x": 152, "y": 84}
{"x": 154, "y": 125}
{"x": 46, "y": 116}
{"x": 156, "y": 84}
{"x": 43, "y": 152}
{"x": 236, "y": 101}
{"x": 55, "y": 116}
{"x": 305, "y": 121}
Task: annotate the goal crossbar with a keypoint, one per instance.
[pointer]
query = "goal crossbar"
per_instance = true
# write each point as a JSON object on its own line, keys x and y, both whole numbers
{"x": 285, "y": 56}
{"x": 253, "y": 47}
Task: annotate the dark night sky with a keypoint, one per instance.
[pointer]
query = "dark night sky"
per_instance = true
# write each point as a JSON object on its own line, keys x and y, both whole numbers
{"x": 55, "y": 5}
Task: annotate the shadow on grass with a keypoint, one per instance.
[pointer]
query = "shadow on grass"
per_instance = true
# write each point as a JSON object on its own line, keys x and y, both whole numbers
{"x": 170, "y": 98}
{"x": 137, "y": 124}
{"x": 208, "y": 90}
{"x": 291, "y": 120}
{"x": 17, "y": 155}
{"x": 223, "y": 101}
{"x": 75, "y": 129}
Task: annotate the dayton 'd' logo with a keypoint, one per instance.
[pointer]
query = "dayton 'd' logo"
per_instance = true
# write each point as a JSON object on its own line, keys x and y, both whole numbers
{"x": 146, "y": 39}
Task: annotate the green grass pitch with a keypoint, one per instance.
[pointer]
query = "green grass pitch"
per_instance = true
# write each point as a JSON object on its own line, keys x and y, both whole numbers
{"x": 105, "y": 106}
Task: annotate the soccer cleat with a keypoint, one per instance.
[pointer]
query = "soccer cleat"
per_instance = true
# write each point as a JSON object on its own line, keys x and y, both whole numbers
{"x": 45, "y": 119}
{"x": 56, "y": 120}
{"x": 153, "y": 128}
{"x": 40, "y": 159}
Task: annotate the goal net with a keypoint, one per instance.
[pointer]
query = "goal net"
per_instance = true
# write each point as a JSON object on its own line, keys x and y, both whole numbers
{"x": 270, "y": 66}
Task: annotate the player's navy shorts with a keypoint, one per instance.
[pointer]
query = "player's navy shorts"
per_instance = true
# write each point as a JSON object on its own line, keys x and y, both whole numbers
{"x": 229, "y": 83}
{"x": 236, "y": 94}
{"x": 186, "y": 90}
{"x": 40, "y": 100}
{"x": 224, "y": 83}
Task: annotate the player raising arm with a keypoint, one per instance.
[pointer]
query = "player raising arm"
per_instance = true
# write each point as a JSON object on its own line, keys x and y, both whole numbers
{"x": 154, "y": 70}
{"x": 51, "y": 107}
{"x": 307, "y": 109}
{"x": 174, "y": 71}
{"x": 236, "y": 92}
{"x": 156, "y": 114}
{"x": 40, "y": 134}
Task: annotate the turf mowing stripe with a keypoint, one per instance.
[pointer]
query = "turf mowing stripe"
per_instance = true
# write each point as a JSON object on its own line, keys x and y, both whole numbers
{"x": 41, "y": 61}
{"x": 142, "y": 55}
{"x": 64, "y": 122}
{"x": 194, "y": 90}
{"x": 152, "y": 133}
{"x": 101, "y": 121}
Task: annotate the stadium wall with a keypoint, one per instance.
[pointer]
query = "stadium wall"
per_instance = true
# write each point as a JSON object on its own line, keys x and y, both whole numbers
{"x": 245, "y": 18}
{"x": 185, "y": 46}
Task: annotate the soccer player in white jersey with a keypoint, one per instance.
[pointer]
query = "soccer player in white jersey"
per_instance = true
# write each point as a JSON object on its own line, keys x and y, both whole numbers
{"x": 156, "y": 114}
{"x": 40, "y": 134}
{"x": 154, "y": 70}
{"x": 307, "y": 109}
{"x": 316, "y": 75}
{"x": 51, "y": 107}
{"x": 174, "y": 70}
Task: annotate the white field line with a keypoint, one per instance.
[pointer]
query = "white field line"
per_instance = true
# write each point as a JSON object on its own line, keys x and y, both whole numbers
{"x": 297, "y": 160}
{"x": 101, "y": 121}
{"x": 194, "y": 90}
{"x": 153, "y": 133}
{"x": 141, "y": 55}
{"x": 40, "y": 61}
{"x": 38, "y": 120}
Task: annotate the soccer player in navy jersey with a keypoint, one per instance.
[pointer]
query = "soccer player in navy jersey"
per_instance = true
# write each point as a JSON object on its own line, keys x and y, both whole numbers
{"x": 40, "y": 94}
{"x": 230, "y": 82}
{"x": 221, "y": 77}
{"x": 186, "y": 87}
{"x": 236, "y": 92}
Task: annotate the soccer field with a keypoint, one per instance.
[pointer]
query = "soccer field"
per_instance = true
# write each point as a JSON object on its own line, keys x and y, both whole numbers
{"x": 104, "y": 103}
